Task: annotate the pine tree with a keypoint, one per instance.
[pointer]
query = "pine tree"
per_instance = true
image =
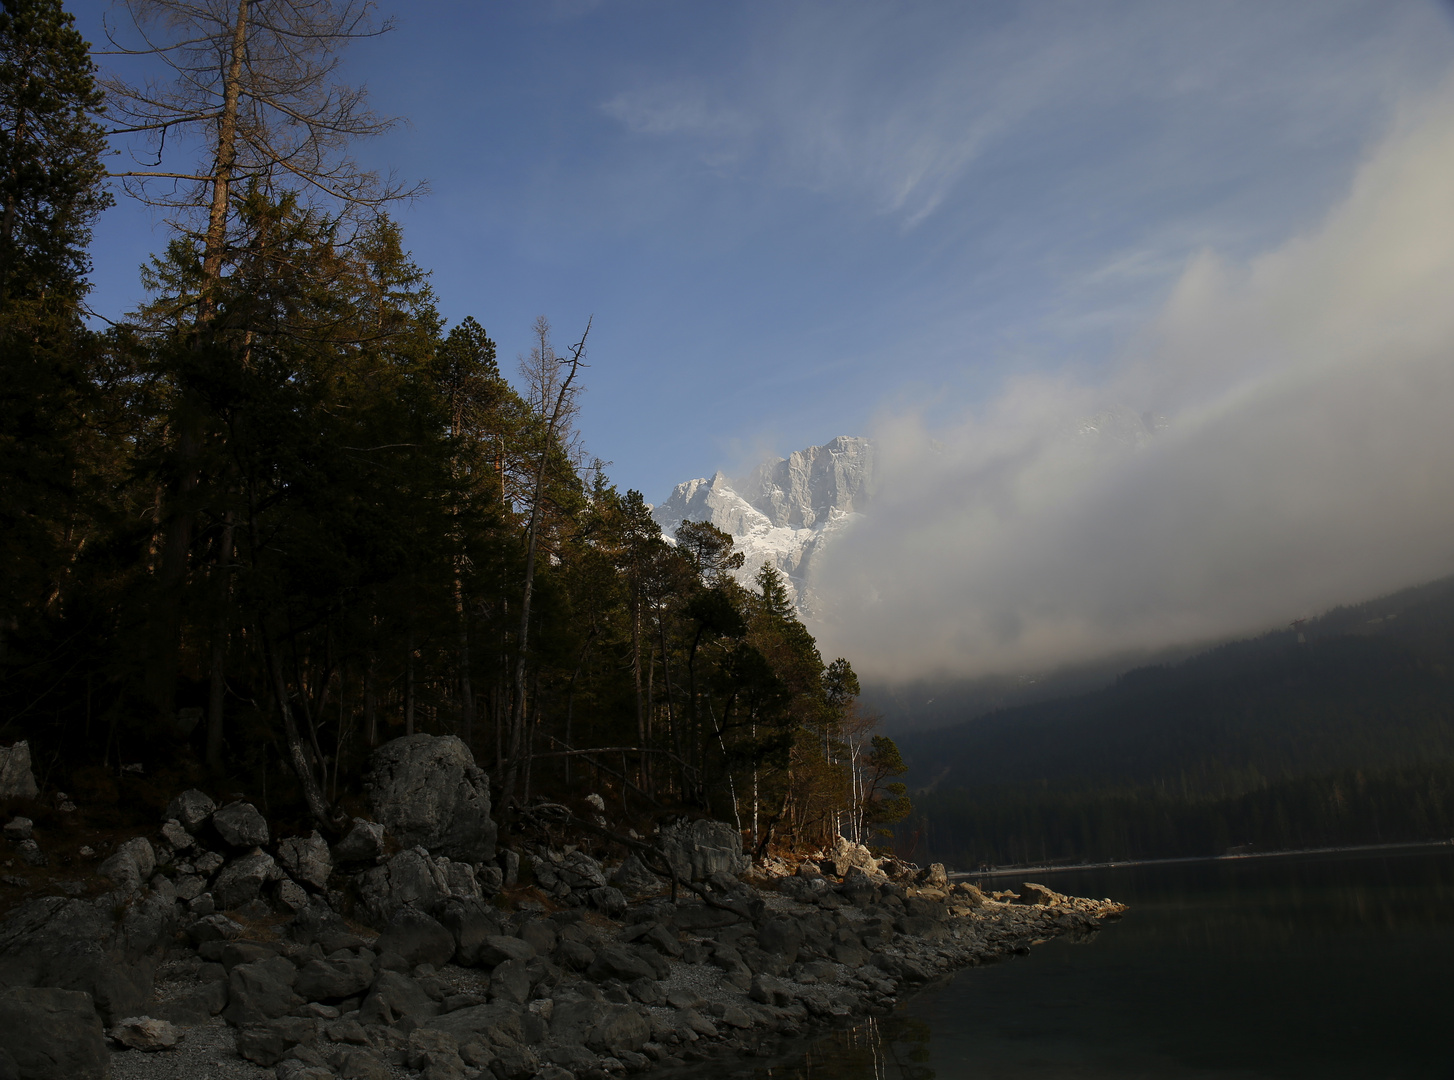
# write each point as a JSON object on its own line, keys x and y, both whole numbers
{"x": 50, "y": 194}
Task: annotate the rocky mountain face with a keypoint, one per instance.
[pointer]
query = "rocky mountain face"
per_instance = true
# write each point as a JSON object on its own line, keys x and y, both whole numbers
{"x": 785, "y": 511}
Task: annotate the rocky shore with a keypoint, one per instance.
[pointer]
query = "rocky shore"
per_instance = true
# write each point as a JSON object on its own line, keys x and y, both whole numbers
{"x": 412, "y": 947}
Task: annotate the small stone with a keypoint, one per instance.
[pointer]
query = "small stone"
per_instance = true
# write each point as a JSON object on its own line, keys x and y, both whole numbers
{"x": 145, "y": 1033}
{"x": 178, "y": 837}
{"x": 87, "y": 851}
{"x": 19, "y": 828}
{"x": 31, "y": 853}
{"x": 209, "y": 862}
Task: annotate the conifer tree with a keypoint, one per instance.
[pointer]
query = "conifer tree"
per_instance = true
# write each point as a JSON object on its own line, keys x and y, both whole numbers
{"x": 50, "y": 195}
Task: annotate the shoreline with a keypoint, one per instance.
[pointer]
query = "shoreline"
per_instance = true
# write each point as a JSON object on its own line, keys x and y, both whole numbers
{"x": 1053, "y": 868}
{"x": 721, "y": 1005}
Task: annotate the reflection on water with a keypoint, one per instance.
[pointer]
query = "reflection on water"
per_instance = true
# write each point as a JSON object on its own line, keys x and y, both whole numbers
{"x": 1326, "y": 967}
{"x": 888, "y": 1048}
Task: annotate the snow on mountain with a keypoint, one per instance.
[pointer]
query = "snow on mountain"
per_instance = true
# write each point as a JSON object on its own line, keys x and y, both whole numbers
{"x": 785, "y": 511}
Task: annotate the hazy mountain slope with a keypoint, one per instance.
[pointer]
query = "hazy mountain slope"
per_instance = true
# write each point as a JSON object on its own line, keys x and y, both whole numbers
{"x": 1368, "y": 692}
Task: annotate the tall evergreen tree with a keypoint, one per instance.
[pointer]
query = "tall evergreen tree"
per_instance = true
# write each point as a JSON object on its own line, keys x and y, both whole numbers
{"x": 50, "y": 195}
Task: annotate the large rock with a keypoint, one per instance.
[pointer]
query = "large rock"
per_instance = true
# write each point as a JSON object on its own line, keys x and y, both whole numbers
{"x": 268, "y": 1043}
{"x": 16, "y": 779}
{"x": 428, "y": 791}
{"x": 599, "y": 1025}
{"x": 699, "y": 849}
{"x": 333, "y": 980}
{"x": 242, "y": 880}
{"x": 146, "y": 1033}
{"x": 361, "y": 845}
{"x": 396, "y": 997}
{"x": 416, "y": 937}
{"x": 191, "y": 809}
{"x": 633, "y": 877}
{"x": 90, "y": 946}
{"x": 469, "y": 922}
{"x": 498, "y": 1024}
{"x": 411, "y": 878}
{"x": 131, "y": 866}
{"x": 240, "y": 824}
{"x": 53, "y": 1034}
{"x": 261, "y": 991}
{"x": 306, "y": 859}
{"x": 847, "y": 855}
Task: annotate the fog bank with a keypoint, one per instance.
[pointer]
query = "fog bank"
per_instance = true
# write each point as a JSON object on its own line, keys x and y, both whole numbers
{"x": 1279, "y": 440}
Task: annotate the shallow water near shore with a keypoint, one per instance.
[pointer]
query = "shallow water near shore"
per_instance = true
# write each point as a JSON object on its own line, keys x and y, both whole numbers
{"x": 1325, "y": 966}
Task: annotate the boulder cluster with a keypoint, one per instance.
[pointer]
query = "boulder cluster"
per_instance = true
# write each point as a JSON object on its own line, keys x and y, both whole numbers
{"x": 410, "y": 946}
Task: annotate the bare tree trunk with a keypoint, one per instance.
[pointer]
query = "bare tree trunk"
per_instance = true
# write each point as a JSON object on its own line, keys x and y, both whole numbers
{"x": 226, "y": 159}
{"x": 409, "y": 682}
{"x": 466, "y": 691}
{"x": 218, "y": 675}
{"x": 188, "y": 421}
{"x": 517, "y": 720}
{"x": 297, "y": 752}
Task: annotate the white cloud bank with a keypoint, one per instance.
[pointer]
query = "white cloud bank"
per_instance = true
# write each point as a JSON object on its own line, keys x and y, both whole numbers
{"x": 1306, "y": 458}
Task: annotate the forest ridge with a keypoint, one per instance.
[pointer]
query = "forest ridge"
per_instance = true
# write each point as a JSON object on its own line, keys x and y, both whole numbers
{"x": 281, "y": 512}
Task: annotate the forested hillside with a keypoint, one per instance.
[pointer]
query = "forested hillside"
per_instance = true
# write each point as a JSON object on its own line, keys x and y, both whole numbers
{"x": 1340, "y": 730}
{"x": 282, "y": 512}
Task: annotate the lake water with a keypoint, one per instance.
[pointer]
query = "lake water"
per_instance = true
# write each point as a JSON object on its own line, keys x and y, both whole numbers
{"x": 1326, "y": 966}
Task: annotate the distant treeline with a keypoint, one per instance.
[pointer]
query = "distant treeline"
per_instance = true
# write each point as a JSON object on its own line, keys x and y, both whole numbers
{"x": 1013, "y": 825}
{"x": 1343, "y": 737}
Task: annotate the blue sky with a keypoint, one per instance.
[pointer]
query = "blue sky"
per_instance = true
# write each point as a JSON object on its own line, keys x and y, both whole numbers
{"x": 963, "y": 229}
{"x": 788, "y": 217}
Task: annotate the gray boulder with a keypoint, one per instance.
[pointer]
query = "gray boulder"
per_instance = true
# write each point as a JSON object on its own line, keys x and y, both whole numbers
{"x": 608, "y": 900}
{"x": 261, "y": 991}
{"x": 782, "y": 937}
{"x": 268, "y": 1043}
{"x": 242, "y": 880}
{"x": 416, "y": 937}
{"x": 469, "y": 922}
{"x": 500, "y": 1025}
{"x": 498, "y": 948}
{"x": 510, "y": 983}
{"x": 240, "y": 824}
{"x": 306, "y": 860}
{"x": 619, "y": 962}
{"x": 145, "y": 1033}
{"x": 699, "y": 849}
{"x": 16, "y": 779}
{"x": 427, "y": 790}
{"x": 633, "y": 878}
{"x": 53, "y": 1034}
{"x": 191, "y": 809}
{"x": 411, "y": 878}
{"x": 131, "y": 866}
{"x": 361, "y": 845}
{"x": 333, "y": 980}
{"x": 396, "y": 997}
{"x": 599, "y": 1025}
{"x": 82, "y": 945}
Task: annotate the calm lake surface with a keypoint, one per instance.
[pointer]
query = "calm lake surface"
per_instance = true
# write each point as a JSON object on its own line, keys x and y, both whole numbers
{"x": 1324, "y": 966}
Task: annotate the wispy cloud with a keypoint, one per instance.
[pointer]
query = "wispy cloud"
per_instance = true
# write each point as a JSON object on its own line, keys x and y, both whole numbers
{"x": 674, "y": 110}
{"x": 909, "y": 107}
{"x": 1305, "y": 456}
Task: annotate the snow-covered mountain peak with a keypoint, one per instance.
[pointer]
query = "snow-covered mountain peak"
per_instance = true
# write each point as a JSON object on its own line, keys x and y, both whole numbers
{"x": 785, "y": 510}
